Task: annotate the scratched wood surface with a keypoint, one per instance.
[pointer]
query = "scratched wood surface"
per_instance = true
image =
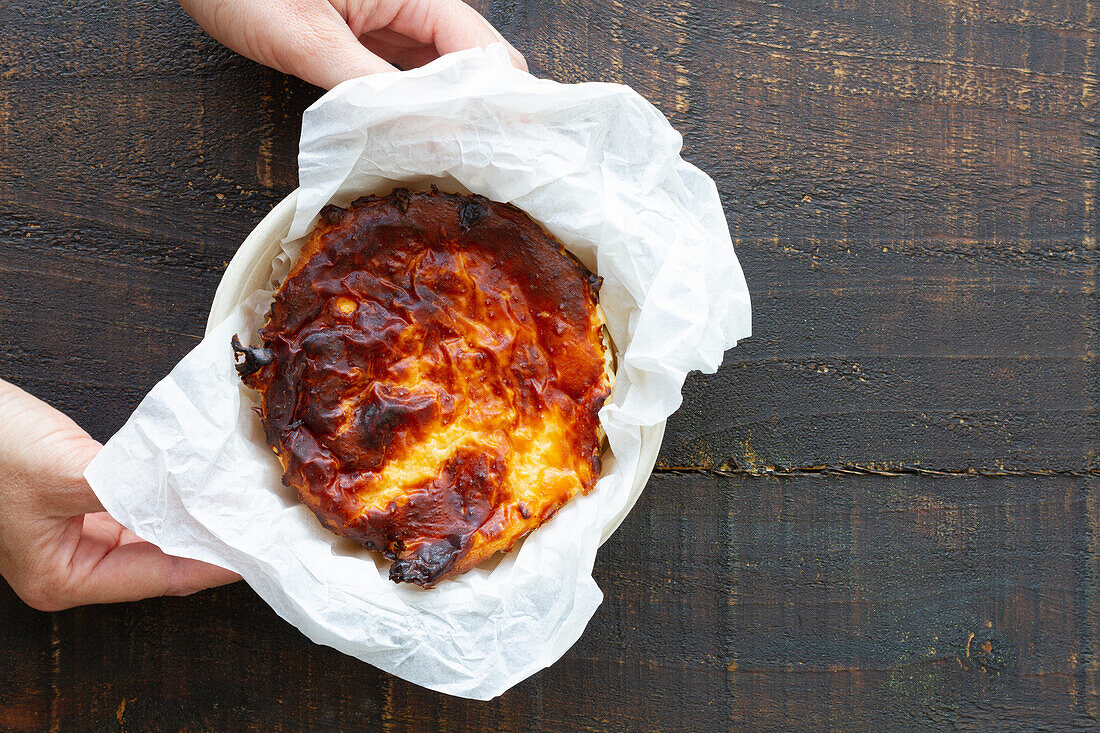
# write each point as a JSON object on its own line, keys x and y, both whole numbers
{"x": 881, "y": 513}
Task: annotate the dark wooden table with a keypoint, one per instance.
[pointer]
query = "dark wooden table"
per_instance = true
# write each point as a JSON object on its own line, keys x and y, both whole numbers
{"x": 881, "y": 513}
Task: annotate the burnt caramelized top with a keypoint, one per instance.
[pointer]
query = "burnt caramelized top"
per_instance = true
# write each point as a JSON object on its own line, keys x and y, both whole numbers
{"x": 431, "y": 373}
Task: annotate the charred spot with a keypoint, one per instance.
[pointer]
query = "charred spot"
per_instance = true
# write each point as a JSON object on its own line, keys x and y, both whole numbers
{"x": 441, "y": 517}
{"x": 333, "y": 215}
{"x": 381, "y": 421}
{"x": 255, "y": 358}
{"x": 298, "y": 305}
{"x": 595, "y": 282}
{"x": 470, "y": 213}
{"x": 325, "y": 344}
{"x": 596, "y": 462}
{"x": 401, "y": 199}
{"x": 363, "y": 201}
{"x": 319, "y": 417}
{"x": 385, "y": 414}
{"x": 428, "y": 562}
{"x": 523, "y": 510}
{"x": 315, "y": 464}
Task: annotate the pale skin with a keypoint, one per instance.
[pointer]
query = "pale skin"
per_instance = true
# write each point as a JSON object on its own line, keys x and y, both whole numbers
{"x": 58, "y": 547}
{"x": 326, "y": 42}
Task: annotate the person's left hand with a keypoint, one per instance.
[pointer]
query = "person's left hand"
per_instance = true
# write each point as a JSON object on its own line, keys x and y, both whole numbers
{"x": 326, "y": 42}
{"x": 58, "y": 547}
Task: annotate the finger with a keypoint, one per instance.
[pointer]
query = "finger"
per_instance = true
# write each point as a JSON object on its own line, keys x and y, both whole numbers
{"x": 327, "y": 53}
{"x": 399, "y": 50}
{"x": 111, "y": 564}
{"x": 308, "y": 38}
{"x": 407, "y": 58}
{"x": 46, "y": 456}
{"x": 451, "y": 25}
{"x": 62, "y": 490}
{"x": 127, "y": 537}
{"x": 99, "y": 534}
{"x": 137, "y": 570}
{"x": 71, "y": 498}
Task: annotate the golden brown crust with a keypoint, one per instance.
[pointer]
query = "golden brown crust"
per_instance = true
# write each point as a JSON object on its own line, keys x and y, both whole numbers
{"x": 431, "y": 373}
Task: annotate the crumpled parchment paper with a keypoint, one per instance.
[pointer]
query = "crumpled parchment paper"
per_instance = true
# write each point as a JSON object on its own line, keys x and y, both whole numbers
{"x": 600, "y": 168}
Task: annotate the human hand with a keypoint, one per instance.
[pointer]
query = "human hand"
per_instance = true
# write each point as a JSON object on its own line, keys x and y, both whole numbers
{"x": 58, "y": 547}
{"x": 326, "y": 42}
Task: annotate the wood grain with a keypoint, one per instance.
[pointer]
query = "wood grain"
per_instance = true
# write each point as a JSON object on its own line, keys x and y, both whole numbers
{"x": 880, "y": 513}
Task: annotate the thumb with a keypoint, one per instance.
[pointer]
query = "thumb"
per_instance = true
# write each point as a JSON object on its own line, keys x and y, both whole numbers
{"x": 308, "y": 38}
{"x": 320, "y": 49}
{"x": 111, "y": 564}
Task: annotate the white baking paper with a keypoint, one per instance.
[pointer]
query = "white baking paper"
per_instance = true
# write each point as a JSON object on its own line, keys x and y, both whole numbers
{"x": 600, "y": 168}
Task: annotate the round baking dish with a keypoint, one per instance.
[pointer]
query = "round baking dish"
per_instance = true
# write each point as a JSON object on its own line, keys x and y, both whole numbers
{"x": 250, "y": 270}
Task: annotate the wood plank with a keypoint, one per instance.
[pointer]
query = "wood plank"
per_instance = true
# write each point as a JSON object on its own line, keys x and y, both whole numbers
{"x": 74, "y": 40}
{"x": 825, "y": 603}
{"x": 99, "y": 155}
{"x": 800, "y": 602}
{"x": 220, "y": 660}
{"x": 90, "y": 335}
{"x": 905, "y": 370}
{"x": 911, "y": 186}
{"x": 935, "y": 169}
{"x": 27, "y": 640}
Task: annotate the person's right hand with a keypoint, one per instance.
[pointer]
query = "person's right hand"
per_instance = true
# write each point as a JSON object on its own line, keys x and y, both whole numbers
{"x": 58, "y": 548}
{"x": 326, "y": 42}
